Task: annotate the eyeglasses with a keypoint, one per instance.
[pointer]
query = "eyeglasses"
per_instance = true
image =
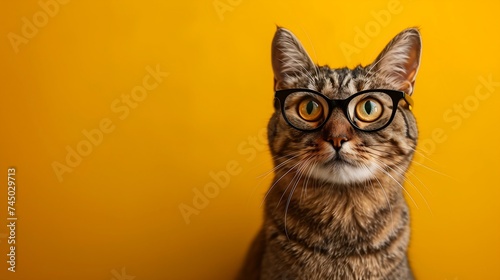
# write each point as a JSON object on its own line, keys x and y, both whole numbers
{"x": 368, "y": 110}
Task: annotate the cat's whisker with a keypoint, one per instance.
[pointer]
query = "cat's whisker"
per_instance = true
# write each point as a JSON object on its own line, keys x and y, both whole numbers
{"x": 397, "y": 182}
{"x": 416, "y": 150}
{"x": 262, "y": 161}
{"x": 384, "y": 153}
{"x": 300, "y": 171}
{"x": 311, "y": 167}
{"x": 282, "y": 157}
{"x": 276, "y": 182}
{"x": 301, "y": 165}
{"x": 386, "y": 196}
{"x": 279, "y": 165}
{"x": 424, "y": 155}
{"x": 390, "y": 152}
{"x": 418, "y": 179}
{"x": 262, "y": 177}
{"x": 440, "y": 173}
{"x": 401, "y": 173}
{"x": 289, "y": 183}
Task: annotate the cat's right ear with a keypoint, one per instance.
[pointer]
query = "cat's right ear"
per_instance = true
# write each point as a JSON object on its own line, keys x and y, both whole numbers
{"x": 289, "y": 57}
{"x": 399, "y": 62}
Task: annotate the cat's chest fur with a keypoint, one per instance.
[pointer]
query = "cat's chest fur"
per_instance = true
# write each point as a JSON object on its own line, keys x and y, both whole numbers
{"x": 333, "y": 234}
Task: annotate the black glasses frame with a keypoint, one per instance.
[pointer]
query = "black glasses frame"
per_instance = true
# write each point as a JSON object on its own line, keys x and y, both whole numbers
{"x": 395, "y": 95}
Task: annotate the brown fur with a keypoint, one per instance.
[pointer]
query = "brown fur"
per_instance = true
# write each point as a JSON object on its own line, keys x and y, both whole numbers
{"x": 349, "y": 220}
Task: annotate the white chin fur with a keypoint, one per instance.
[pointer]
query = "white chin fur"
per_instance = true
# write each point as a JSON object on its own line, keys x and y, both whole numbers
{"x": 344, "y": 173}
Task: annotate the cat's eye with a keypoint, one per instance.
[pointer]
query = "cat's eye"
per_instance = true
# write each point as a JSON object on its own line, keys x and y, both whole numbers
{"x": 310, "y": 110}
{"x": 369, "y": 110}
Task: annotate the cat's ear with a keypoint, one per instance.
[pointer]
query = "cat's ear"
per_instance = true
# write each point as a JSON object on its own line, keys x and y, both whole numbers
{"x": 289, "y": 57}
{"x": 398, "y": 63}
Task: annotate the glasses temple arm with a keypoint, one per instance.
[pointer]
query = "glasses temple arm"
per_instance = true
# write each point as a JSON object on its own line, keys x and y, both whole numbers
{"x": 408, "y": 100}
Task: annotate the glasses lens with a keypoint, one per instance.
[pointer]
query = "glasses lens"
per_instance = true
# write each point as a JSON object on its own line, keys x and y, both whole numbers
{"x": 305, "y": 110}
{"x": 370, "y": 111}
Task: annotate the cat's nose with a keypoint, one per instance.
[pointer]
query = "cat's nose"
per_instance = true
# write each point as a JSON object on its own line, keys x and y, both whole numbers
{"x": 338, "y": 130}
{"x": 337, "y": 141}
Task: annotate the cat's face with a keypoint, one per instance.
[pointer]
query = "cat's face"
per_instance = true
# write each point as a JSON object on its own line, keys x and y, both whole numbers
{"x": 338, "y": 152}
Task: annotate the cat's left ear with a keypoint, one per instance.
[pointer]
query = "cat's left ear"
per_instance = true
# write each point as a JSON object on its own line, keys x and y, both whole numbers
{"x": 398, "y": 63}
{"x": 289, "y": 58}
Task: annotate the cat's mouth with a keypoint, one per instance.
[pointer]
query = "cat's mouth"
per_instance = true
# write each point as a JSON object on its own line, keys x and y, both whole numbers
{"x": 340, "y": 169}
{"x": 345, "y": 166}
{"x": 338, "y": 159}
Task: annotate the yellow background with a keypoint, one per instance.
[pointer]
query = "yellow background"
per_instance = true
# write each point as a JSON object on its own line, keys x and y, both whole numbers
{"x": 119, "y": 208}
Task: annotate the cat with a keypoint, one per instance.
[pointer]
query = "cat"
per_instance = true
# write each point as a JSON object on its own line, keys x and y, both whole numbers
{"x": 341, "y": 141}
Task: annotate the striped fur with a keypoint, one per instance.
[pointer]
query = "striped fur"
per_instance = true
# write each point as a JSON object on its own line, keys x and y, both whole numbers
{"x": 330, "y": 219}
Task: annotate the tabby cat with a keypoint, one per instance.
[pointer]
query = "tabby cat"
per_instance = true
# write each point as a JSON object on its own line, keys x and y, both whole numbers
{"x": 341, "y": 140}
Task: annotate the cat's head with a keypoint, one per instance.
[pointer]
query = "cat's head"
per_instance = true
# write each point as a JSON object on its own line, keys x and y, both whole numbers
{"x": 372, "y": 135}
